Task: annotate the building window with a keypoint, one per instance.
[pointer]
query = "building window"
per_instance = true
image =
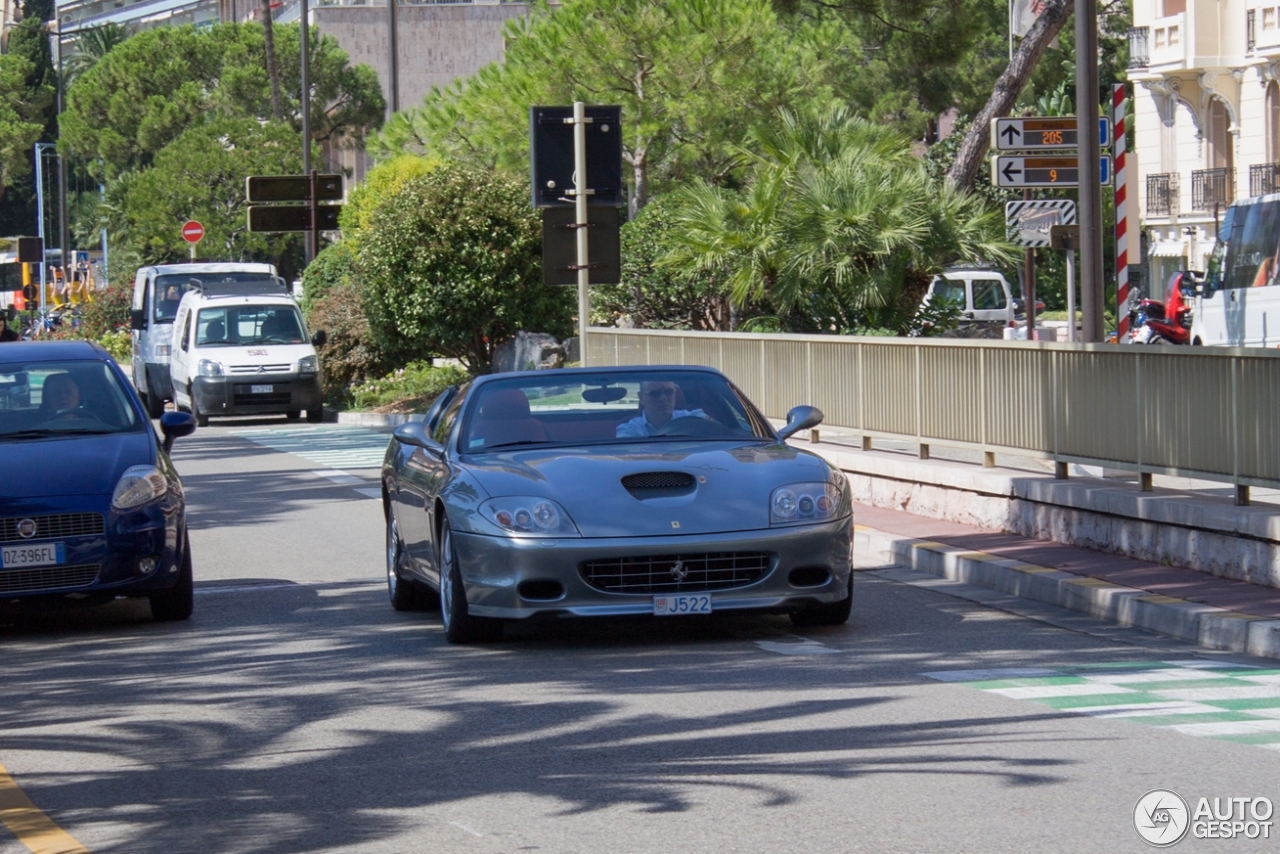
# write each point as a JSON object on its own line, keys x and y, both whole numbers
{"x": 1221, "y": 148}
{"x": 1273, "y": 122}
{"x": 1173, "y": 7}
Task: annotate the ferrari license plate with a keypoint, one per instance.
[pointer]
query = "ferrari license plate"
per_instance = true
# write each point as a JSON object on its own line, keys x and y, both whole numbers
{"x": 45, "y": 554}
{"x": 682, "y": 603}
{"x": 260, "y": 389}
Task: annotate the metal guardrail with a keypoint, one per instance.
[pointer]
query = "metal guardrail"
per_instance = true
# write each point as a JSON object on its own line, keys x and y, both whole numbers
{"x": 1189, "y": 411}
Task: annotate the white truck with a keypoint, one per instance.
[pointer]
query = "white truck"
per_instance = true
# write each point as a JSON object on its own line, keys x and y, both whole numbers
{"x": 1242, "y": 287}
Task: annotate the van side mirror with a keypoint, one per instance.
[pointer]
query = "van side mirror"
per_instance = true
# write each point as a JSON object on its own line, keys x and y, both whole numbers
{"x": 318, "y": 338}
{"x": 137, "y": 318}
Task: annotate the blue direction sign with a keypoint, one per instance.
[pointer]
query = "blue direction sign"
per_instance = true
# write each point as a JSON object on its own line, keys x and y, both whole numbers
{"x": 1055, "y": 133}
{"x": 1058, "y": 171}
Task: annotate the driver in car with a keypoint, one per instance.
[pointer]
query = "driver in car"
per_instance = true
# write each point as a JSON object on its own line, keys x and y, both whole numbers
{"x": 60, "y": 396}
{"x": 657, "y": 409}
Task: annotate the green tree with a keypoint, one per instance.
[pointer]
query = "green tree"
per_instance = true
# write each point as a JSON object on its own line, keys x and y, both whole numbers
{"x": 380, "y": 183}
{"x": 690, "y": 75}
{"x": 21, "y": 123}
{"x": 654, "y": 296}
{"x": 201, "y": 176}
{"x": 451, "y": 266}
{"x": 29, "y": 40}
{"x": 155, "y": 85}
{"x": 839, "y": 227}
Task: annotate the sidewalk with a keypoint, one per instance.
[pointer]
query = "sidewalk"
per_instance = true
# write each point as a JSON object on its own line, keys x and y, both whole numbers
{"x": 1195, "y": 606}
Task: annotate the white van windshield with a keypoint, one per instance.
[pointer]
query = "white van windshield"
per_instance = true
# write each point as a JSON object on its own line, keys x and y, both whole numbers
{"x": 169, "y": 289}
{"x": 241, "y": 325}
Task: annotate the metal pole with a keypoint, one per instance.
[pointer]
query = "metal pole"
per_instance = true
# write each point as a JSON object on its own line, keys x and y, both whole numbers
{"x": 580, "y": 192}
{"x": 40, "y": 147}
{"x": 106, "y": 276}
{"x": 393, "y": 60}
{"x": 1091, "y": 297}
{"x": 1071, "y": 294}
{"x": 64, "y": 236}
{"x": 1029, "y": 284}
{"x": 313, "y": 236}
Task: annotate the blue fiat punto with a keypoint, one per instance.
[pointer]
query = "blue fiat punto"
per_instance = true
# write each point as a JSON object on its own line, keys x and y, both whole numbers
{"x": 91, "y": 507}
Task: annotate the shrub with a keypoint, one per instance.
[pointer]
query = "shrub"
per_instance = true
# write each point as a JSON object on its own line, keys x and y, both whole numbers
{"x": 335, "y": 265}
{"x": 108, "y": 312}
{"x": 413, "y": 386}
{"x": 451, "y": 265}
{"x": 120, "y": 345}
{"x": 349, "y": 355}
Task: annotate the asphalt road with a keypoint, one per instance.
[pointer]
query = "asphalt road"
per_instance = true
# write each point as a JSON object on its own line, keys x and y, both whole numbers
{"x": 297, "y": 712}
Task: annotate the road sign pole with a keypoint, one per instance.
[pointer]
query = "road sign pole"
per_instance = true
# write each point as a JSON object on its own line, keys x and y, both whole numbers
{"x": 1091, "y": 296}
{"x": 313, "y": 233}
{"x": 1071, "y": 295}
{"x": 312, "y": 237}
{"x": 580, "y": 191}
{"x": 1029, "y": 283}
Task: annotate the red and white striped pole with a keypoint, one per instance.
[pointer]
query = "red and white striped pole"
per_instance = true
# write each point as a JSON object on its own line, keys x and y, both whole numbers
{"x": 1118, "y": 96}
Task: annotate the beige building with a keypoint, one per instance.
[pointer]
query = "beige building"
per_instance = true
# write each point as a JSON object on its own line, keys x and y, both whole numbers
{"x": 1206, "y": 95}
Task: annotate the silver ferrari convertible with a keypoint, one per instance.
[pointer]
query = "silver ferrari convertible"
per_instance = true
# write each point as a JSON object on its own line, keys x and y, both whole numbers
{"x": 599, "y": 492}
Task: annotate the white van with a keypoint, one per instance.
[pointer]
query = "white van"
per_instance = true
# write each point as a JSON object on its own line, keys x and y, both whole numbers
{"x": 245, "y": 354}
{"x": 1239, "y": 305}
{"x": 983, "y": 296}
{"x": 157, "y": 290}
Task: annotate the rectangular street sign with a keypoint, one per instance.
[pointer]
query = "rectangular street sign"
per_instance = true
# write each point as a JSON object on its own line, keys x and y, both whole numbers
{"x": 292, "y": 188}
{"x": 1019, "y": 172}
{"x": 560, "y": 246}
{"x": 1043, "y": 133}
{"x": 292, "y": 217}
{"x": 551, "y": 156}
{"x": 1029, "y": 221}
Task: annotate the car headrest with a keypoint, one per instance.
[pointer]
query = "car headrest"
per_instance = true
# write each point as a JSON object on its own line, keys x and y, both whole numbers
{"x": 215, "y": 331}
{"x": 505, "y": 405}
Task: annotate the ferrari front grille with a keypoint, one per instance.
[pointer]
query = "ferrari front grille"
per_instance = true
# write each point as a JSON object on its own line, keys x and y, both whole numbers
{"x": 678, "y": 573}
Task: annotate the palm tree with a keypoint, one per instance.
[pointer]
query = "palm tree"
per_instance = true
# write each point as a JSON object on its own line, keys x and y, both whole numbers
{"x": 92, "y": 45}
{"x": 838, "y": 226}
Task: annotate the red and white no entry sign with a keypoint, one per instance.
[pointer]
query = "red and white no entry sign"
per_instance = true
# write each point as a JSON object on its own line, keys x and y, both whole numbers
{"x": 192, "y": 231}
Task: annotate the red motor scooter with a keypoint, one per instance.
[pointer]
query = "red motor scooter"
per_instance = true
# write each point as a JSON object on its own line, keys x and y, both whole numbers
{"x": 1170, "y": 322}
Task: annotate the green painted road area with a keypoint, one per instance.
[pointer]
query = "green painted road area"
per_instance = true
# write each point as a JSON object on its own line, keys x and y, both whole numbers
{"x": 1218, "y": 700}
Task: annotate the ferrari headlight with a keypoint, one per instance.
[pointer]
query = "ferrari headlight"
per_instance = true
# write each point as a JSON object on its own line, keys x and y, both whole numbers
{"x": 522, "y": 516}
{"x": 209, "y": 368}
{"x": 137, "y": 486}
{"x": 804, "y": 503}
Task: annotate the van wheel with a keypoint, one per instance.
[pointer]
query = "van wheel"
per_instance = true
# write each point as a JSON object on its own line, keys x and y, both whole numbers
{"x": 293, "y": 414}
{"x": 315, "y": 416}
{"x": 202, "y": 420}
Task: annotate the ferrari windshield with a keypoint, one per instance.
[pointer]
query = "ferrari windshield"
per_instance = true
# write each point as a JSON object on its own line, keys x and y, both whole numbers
{"x": 41, "y": 399}
{"x": 568, "y": 407}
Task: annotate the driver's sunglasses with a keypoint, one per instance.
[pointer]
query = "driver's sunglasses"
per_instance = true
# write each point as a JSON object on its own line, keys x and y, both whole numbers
{"x": 660, "y": 392}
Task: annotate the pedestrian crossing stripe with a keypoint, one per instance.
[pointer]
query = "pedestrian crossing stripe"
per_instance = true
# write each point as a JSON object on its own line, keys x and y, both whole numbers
{"x": 1232, "y": 702}
{"x": 335, "y": 446}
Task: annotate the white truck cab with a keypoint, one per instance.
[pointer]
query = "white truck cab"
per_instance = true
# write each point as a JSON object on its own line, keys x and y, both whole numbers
{"x": 245, "y": 353}
{"x": 157, "y": 290}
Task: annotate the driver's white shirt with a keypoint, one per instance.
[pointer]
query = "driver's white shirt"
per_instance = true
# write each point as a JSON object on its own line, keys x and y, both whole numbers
{"x": 640, "y": 426}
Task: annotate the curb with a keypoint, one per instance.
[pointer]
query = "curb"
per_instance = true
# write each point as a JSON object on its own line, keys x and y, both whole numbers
{"x": 373, "y": 419}
{"x": 1204, "y": 625}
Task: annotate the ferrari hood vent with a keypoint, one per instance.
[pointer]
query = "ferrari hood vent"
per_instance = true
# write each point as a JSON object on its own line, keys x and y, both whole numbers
{"x": 659, "y": 484}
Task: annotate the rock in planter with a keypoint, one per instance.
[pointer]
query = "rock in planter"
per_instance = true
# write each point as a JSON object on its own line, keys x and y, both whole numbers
{"x": 528, "y": 351}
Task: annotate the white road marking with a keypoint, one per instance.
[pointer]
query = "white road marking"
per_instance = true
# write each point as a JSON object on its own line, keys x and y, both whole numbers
{"x": 1146, "y": 710}
{"x": 339, "y": 476}
{"x": 798, "y": 646}
{"x": 1229, "y": 727}
{"x": 1038, "y": 692}
{"x": 371, "y": 492}
{"x": 1173, "y": 674}
{"x": 1195, "y": 694}
{"x": 462, "y": 826}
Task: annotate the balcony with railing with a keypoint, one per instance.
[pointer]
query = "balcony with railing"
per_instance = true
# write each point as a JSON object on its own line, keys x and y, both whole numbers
{"x": 1162, "y": 194}
{"x": 1212, "y": 189}
{"x": 1139, "y": 55}
{"x": 1264, "y": 179}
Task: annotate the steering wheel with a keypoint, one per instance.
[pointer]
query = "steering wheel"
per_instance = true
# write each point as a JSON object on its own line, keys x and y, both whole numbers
{"x": 691, "y": 425}
{"x": 74, "y": 413}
